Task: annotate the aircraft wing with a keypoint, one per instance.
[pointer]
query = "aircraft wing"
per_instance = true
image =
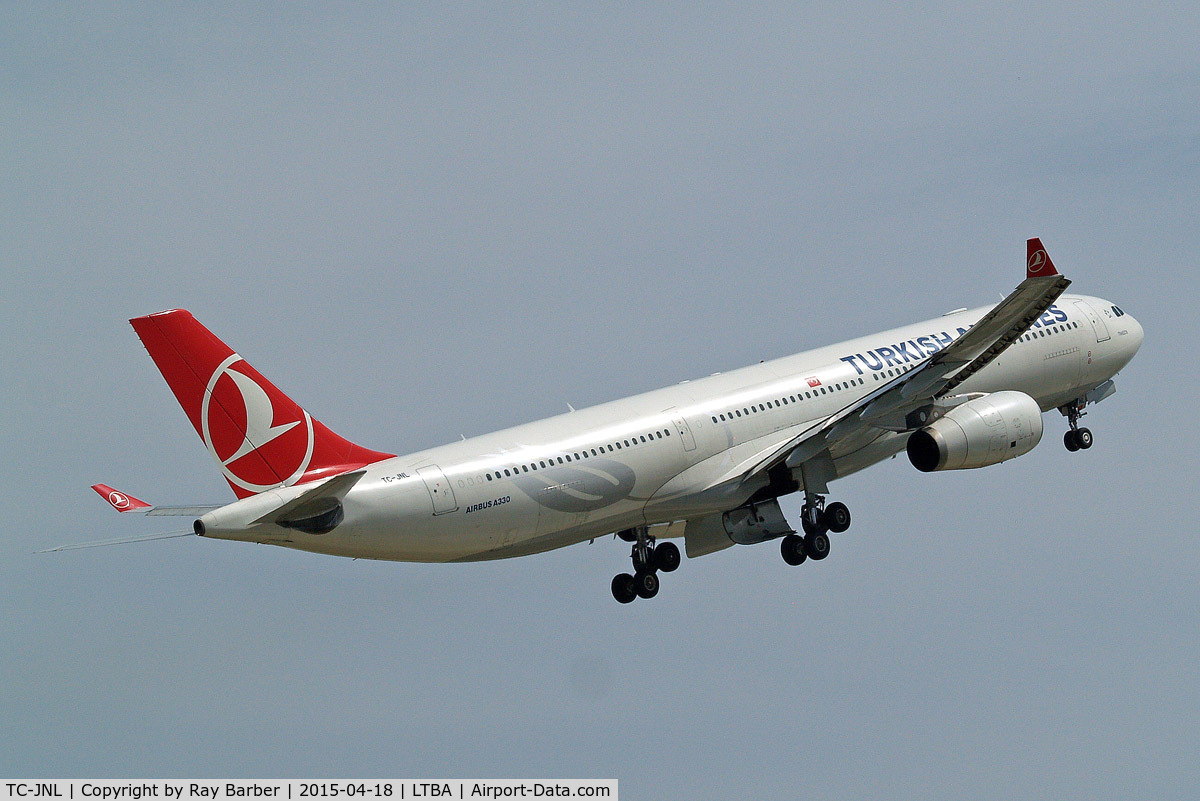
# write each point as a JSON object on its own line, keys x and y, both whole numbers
{"x": 888, "y": 407}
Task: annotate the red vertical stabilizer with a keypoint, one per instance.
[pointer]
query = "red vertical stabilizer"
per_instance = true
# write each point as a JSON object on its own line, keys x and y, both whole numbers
{"x": 259, "y": 437}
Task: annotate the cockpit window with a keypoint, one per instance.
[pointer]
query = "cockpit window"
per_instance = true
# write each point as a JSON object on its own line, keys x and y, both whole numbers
{"x": 1117, "y": 311}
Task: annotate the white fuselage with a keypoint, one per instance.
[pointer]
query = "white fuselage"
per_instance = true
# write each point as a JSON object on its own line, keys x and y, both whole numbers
{"x": 676, "y": 453}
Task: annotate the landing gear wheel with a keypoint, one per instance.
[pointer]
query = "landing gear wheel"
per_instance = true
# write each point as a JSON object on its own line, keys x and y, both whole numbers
{"x": 816, "y": 545}
{"x": 792, "y": 549}
{"x": 623, "y": 588}
{"x": 666, "y": 556}
{"x": 646, "y": 584}
{"x": 629, "y": 535}
{"x": 836, "y": 517}
{"x": 1071, "y": 441}
{"x": 1083, "y": 438}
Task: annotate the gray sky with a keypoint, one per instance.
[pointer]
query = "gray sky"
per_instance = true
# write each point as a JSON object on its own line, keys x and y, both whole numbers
{"x": 423, "y": 222}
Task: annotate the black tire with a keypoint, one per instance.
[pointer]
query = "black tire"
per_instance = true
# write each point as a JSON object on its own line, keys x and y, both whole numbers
{"x": 792, "y": 549}
{"x": 1084, "y": 438}
{"x": 646, "y": 584}
{"x": 816, "y": 545}
{"x": 623, "y": 589}
{"x": 1070, "y": 441}
{"x": 666, "y": 556}
{"x": 628, "y": 535}
{"x": 836, "y": 517}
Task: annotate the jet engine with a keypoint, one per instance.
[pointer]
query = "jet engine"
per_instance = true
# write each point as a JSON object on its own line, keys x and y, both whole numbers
{"x": 980, "y": 432}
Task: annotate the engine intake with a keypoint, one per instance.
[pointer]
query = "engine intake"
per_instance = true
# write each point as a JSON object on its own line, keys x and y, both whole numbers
{"x": 981, "y": 432}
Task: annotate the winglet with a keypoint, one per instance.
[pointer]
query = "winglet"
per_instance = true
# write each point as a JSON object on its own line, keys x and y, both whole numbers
{"x": 121, "y": 501}
{"x": 1037, "y": 260}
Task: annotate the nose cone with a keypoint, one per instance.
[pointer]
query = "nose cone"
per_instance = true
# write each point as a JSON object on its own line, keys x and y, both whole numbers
{"x": 1127, "y": 341}
{"x": 1133, "y": 339}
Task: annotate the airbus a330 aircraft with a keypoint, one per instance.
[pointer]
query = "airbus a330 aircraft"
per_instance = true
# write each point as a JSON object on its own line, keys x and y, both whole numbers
{"x": 705, "y": 460}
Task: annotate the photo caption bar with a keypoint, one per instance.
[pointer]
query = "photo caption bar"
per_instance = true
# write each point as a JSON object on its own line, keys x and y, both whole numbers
{"x": 289, "y": 789}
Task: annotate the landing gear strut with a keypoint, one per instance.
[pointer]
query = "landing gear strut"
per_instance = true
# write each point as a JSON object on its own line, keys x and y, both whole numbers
{"x": 647, "y": 559}
{"x": 1076, "y": 438}
{"x": 817, "y": 519}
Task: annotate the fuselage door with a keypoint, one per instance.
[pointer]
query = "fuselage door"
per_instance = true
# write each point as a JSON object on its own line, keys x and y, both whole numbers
{"x": 440, "y": 491}
{"x": 1098, "y": 324}
{"x": 685, "y": 434}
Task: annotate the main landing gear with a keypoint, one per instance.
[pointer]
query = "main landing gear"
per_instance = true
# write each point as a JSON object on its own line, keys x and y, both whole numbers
{"x": 1076, "y": 438}
{"x": 648, "y": 560}
{"x": 817, "y": 519}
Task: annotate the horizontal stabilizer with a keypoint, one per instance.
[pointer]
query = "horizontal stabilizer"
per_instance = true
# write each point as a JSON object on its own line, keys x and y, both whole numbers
{"x": 180, "y": 511}
{"x": 124, "y": 502}
{"x": 121, "y": 501}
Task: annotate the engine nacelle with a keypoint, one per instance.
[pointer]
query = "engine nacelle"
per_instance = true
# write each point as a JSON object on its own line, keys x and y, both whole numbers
{"x": 980, "y": 432}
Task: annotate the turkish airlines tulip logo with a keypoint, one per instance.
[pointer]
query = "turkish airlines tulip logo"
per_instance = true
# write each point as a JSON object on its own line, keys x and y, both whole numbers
{"x": 1036, "y": 262}
{"x": 243, "y": 431}
{"x": 118, "y": 500}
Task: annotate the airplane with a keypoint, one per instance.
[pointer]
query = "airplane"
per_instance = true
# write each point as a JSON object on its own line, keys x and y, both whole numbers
{"x": 705, "y": 461}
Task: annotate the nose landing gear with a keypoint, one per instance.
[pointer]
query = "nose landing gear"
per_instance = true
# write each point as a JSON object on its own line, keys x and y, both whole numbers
{"x": 648, "y": 559}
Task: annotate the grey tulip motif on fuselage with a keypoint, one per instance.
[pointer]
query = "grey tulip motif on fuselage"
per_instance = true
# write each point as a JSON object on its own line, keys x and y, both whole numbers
{"x": 579, "y": 487}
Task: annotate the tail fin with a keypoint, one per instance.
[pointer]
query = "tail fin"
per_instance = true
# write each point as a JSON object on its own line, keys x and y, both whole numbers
{"x": 259, "y": 437}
